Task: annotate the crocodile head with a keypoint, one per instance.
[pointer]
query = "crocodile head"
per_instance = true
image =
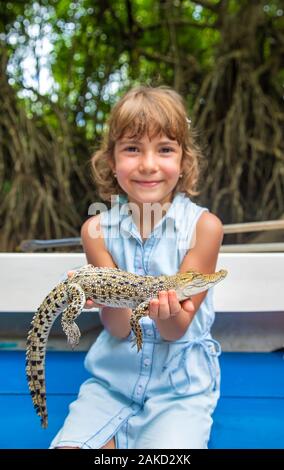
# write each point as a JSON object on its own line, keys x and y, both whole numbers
{"x": 192, "y": 282}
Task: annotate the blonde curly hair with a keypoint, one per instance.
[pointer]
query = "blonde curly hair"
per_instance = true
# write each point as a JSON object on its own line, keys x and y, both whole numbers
{"x": 147, "y": 110}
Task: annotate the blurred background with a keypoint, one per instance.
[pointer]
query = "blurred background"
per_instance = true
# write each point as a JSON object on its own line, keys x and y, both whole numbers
{"x": 63, "y": 64}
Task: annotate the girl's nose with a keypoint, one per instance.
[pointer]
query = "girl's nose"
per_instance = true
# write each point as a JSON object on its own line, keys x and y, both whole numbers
{"x": 148, "y": 162}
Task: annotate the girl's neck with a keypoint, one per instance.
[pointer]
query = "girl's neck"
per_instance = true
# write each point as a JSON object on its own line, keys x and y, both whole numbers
{"x": 147, "y": 215}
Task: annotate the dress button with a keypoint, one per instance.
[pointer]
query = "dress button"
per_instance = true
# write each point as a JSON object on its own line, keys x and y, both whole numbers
{"x": 149, "y": 332}
{"x": 147, "y": 362}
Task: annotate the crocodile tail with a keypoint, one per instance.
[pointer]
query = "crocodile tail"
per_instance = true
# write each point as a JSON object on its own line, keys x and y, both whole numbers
{"x": 53, "y": 304}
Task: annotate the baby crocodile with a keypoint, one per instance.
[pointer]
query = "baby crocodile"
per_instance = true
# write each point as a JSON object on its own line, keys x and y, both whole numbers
{"x": 106, "y": 286}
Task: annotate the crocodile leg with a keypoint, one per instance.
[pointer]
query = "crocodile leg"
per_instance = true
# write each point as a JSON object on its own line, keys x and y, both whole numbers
{"x": 76, "y": 302}
{"x": 137, "y": 313}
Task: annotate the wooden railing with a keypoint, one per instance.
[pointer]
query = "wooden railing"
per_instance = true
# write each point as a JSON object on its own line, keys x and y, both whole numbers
{"x": 268, "y": 225}
{"x": 254, "y": 226}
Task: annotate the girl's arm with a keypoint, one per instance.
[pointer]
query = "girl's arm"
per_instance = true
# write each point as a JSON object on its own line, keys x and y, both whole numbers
{"x": 115, "y": 320}
{"x": 173, "y": 318}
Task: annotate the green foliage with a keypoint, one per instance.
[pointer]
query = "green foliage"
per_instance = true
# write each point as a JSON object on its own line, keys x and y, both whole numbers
{"x": 100, "y": 48}
{"x": 224, "y": 56}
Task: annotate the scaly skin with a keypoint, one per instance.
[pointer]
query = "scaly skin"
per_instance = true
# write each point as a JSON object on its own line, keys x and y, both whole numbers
{"x": 106, "y": 286}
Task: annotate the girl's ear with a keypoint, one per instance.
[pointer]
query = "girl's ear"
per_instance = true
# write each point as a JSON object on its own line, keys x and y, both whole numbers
{"x": 111, "y": 163}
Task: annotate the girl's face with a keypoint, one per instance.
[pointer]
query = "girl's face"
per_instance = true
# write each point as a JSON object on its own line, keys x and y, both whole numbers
{"x": 148, "y": 170}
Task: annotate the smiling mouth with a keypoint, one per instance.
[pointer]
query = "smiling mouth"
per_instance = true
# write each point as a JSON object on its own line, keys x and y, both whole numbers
{"x": 147, "y": 183}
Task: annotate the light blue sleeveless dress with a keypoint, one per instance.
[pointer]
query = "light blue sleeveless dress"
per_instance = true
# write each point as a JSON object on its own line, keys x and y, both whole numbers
{"x": 162, "y": 397}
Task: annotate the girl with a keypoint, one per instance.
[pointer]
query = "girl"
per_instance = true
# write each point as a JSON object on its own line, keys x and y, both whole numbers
{"x": 162, "y": 397}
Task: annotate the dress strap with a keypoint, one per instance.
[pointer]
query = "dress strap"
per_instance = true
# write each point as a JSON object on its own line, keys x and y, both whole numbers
{"x": 211, "y": 349}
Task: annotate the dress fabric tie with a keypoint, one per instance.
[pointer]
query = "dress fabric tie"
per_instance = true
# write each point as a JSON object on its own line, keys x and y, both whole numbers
{"x": 211, "y": 348}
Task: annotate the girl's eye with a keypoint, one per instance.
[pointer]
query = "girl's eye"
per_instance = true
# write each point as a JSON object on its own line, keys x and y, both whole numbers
{"x": 131, "y": 149}
{"x": 134, "y": 149}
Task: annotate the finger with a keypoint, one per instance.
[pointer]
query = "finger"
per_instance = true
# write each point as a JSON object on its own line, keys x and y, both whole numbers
{"x": 70, "y": 273}
{"x": 91, "y": 304}
{"x": 188, "y": 306}
{"x": 154, "y": 308}
{"x": 174, "y": 304}
{"x": 164, "y": 309}
{"x": 87, "y": 306}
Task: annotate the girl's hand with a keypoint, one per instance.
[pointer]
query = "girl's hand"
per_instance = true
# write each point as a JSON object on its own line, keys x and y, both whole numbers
{"x": 89, "y": 303}
{"x": 168, "y": 306}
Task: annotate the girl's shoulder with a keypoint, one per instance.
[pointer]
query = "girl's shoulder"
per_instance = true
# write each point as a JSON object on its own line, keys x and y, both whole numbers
{"x": 209, "y": 227}
{"x": 91, "y": 228}
{"x": 210, "y": 221}
{"x": 93, "y": 243}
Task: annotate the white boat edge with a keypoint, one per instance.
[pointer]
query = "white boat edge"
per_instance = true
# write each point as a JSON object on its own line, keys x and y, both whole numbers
{"x": 247, "y": 302}
{"x": 255, "y": 281}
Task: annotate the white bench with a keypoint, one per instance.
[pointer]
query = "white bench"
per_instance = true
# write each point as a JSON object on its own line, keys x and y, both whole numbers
{"x": 255, "y": 283}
